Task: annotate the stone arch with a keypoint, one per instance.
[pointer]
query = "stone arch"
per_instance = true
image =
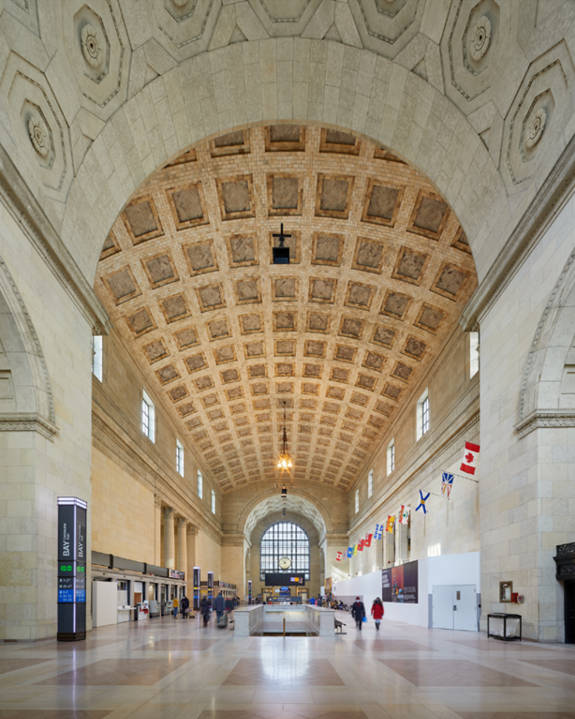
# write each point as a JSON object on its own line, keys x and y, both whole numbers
{"x": 307, "y": 524}
{"x": 543, "y": 401}
{"x": 391, "y": 105}
{"x": 295, "y": 503}
{"x": 26, "y": 400}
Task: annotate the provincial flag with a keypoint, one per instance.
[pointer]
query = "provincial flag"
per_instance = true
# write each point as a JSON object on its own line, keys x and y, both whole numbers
{"x": 389, "y": 527}
{"x": 404, "y": 514}
{"x": 349, "y": 552}
{"x": 338, "y": 556}
{"x": 360, "y": 545}
{"x": 354, "y": 549}
{"x": 446, "y": 483}
{"x": 378, "y": 534}
{"x": 470, "y": 457}
{"x": 422, "y": 501}
{"x": 367, "y": 540}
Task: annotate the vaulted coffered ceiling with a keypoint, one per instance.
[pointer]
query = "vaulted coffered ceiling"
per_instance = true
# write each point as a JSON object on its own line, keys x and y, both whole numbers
{"x": 380, "y": 270}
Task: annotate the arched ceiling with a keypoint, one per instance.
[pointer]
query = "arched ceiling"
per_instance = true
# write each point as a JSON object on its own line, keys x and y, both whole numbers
{"x": 291, "y": 503}
{"x": 379, "y": 272}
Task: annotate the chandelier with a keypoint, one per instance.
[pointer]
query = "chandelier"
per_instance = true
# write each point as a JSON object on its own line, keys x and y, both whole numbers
{"x": 285, "y": 462}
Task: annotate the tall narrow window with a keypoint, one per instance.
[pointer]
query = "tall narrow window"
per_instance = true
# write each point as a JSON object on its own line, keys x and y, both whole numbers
{"x": 213, "y": 502}
{"x": 390, "y": 457}
{"x": 423, "y": 414}
{"x": 179, "y": 457}
{"x": 370, "y": 483}
{"x": 473, "y": 353}
{"x": 97, "y": 357}
{"x": 148, "y": 417}
{"x": 356, "y": 501}
{"x": 200, "y": 484}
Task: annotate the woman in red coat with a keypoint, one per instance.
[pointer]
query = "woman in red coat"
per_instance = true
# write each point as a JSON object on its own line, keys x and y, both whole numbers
{"x": 377, "y": 611}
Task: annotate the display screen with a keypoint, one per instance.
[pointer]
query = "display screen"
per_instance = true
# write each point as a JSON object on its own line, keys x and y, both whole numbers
{"x": 283, "y": 579}
{"x": 400, "y": 584}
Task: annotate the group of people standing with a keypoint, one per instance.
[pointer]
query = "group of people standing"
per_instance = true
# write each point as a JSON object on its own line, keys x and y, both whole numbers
{"x": 358, "y": 612}
{"x": 221, "y": 605}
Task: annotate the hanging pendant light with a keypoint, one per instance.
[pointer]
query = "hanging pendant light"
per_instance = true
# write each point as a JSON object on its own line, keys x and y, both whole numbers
{"x": 285, "y": 462}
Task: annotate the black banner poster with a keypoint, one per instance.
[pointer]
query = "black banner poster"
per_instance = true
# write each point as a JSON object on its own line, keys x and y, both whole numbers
{"x": 400, "y": 584}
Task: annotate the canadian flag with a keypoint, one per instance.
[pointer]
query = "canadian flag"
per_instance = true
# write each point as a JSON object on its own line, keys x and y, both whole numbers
{"x": 338, "y": 556}
{"x": 470, "y": 457}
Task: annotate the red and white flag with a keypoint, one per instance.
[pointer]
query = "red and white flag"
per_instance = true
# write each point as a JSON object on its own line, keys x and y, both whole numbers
{"x": 338, "y": 556}
{"x": 470, "y": 458}
{"x": 367, "y": 540}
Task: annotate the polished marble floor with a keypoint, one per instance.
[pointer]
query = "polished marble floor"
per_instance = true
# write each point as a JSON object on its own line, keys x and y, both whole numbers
{"x": 175, "y": 669}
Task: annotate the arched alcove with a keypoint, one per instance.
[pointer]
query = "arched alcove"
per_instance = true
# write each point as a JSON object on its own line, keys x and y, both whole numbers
{"x": 547, "y": 396}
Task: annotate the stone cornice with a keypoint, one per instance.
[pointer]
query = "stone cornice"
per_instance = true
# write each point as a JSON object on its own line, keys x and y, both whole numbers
{"x": 546, "y": 205}
{"x": 112, "y": 439}
{"x": 32, "y": 422}
{"x": 233, "y": 540}
{"x": 545, "y": 419}
{"x": 16, "y": 196}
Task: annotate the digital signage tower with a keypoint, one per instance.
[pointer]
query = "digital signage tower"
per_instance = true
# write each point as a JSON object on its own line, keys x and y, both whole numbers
{"x": 71, "y": 569}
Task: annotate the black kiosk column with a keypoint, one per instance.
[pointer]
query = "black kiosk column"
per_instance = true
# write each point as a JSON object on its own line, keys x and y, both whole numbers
{"x": 71, "y": 569}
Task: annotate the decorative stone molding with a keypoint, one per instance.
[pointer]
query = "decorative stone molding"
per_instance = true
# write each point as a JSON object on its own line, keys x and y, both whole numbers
{"x": 565, "y": 561}
{"x": 38, "y": 413}
{"x": 17, "y": 422}
{"x": 185, "y": 27}
{"x": 386, "y": 28}
{"x": 539, "y": 215}
{"x": 18, "y": 199}
{"x": 99, "y": 52}
{"x": 545, "y": 99}
{"x": 545, "y": 419}
{"x": 549, "y": 335}
{"x": 471, "y": 48}
{"x": 39, "y": 127}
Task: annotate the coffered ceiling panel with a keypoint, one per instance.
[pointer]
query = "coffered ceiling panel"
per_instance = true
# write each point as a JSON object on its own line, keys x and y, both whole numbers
{"x": 379, "y": 272}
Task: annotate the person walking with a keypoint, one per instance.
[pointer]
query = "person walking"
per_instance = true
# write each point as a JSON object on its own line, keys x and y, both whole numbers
{"x": 175, "y": 605}
{"x": 205, "y": 609}
{"x": 219, "y": 605}
{"x": 184, "y": 606}
{"x": 358, "y": 612}
{"x": 377, "y": 612}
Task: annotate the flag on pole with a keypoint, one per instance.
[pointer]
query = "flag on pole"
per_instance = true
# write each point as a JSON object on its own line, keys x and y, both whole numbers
{"x": 446, "y": 483}
{"x": 470, "y": 457}
{"x": 422, "y": 501}
{"x": 378, "y": 534}
{"x": 338, "y": 556}
{"x": 349, "y": 552}
{"x": 367, "y": 540}
{"x": 389, "y": 527}
{"x": 354, "y": 549}
{"x": 404, "y": 514}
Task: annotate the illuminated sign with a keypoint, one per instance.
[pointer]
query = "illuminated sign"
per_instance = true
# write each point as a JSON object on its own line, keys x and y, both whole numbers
{"x": 280, "y": 579}
{"x": 71, "y": 568}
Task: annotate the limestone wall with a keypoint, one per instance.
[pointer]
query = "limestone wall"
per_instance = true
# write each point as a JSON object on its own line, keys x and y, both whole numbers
{"x": 527, "y": 490}
{"x": 37, "y": 467}
{"x": 449, "y": 526}
{"x": 123, "y": 512}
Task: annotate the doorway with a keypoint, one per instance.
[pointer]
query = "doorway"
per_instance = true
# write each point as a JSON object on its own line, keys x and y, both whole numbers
{"x": 454, "y": 607}
{"x": 570, "y": 611}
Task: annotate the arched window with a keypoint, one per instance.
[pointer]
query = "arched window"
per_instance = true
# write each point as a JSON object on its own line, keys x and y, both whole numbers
{"x": 284, "y": 548}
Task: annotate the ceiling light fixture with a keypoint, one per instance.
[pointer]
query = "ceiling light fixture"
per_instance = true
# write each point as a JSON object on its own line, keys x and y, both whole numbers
{"x": 281, "y": 253}
{"x": 284, "y": 460}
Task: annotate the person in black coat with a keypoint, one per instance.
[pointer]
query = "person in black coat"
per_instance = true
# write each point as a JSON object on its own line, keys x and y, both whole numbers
{"x": 358, "y": 612}
{"x": 184, "y": 606}
{"x": 205, "y": 609}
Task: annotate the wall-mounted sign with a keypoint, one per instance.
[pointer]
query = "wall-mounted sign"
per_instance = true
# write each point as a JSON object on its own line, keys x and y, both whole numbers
{"x": 71, "y": 569}
{"x": 400, "y": 584}
{"x": 280, "y": 579}
{"x": 176, "y": 574}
